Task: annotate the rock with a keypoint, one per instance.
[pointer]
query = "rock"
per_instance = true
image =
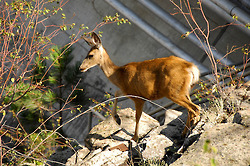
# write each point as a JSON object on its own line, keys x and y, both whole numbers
{"x": 109, "y": 158}
{"x": 173, "y": 125}
{"x": 237, "y": 97}
{"x": 110, "y": 143}
{"x": 242, "y": 117}
{"x": 210, "y": 141}
{"x": 108, "y": 133}
{"x": 221, "y": 137}
{"x": 171, "y": 115}
{"x": 62, "y": 155}
{"x": 101, "y": 158}
{"x": 78, "y": 157}
{"x": 156, "y": 146}
{"x": 229, "y": 145}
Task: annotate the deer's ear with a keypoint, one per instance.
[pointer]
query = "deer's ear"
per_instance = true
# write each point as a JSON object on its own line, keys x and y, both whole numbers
{"x": 89, "y": 41}
{"x": 96, "y": 39}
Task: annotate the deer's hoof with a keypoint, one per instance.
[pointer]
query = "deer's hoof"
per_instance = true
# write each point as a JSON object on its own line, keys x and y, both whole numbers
{"x": 185, "y": 134}
{"x": 135, "y": 138}
{"x": 117, "y": 119}
{"x": 195, "y": 120}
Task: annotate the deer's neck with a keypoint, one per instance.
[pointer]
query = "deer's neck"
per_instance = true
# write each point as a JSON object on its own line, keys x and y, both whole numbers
{"x": 107, "y": 66}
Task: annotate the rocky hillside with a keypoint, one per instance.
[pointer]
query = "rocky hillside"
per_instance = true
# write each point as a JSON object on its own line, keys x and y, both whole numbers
{"x": 220, "y": 138}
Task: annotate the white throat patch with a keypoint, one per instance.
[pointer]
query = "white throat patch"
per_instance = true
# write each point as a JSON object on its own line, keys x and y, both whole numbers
{"x": 101, "y": 49}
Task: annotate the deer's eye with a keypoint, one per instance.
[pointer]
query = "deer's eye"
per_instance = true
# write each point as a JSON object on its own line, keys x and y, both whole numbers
{"x": 90, "y": 56}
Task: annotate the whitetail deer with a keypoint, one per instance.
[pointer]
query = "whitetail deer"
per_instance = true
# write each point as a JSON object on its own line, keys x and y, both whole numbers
{"x": 170, "y": 77}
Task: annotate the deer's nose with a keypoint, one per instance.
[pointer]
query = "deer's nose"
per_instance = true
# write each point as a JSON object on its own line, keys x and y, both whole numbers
{"x": 82, "y": 69}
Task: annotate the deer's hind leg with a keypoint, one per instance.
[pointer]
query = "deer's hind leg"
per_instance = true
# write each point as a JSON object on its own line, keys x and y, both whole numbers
{"x": 194, "y": 116}
{"x": 180, "y": 95}
{"x": 193, "y": 112}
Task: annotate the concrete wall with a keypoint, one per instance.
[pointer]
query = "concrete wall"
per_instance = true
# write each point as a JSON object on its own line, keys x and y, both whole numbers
{"x": 128, "y": 43}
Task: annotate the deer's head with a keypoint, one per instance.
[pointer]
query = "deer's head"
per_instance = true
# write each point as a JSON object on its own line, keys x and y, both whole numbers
{"x": 95, "y": 55}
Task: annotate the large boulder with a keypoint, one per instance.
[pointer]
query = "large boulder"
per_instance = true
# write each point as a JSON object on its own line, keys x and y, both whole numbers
{"x": 98, "y": 157}
{"x": 111, "y": 144}
{"x": 219, "y": 143}
{"x": 224, "y": 144}
{"x": 224, "y": 137}
{"x": 220, "y": 138}
{"x": 108, "y": 133}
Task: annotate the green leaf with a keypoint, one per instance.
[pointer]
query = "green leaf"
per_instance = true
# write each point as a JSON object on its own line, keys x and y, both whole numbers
{"x": 235, "y": 17}
{"x": 206, "y": 145}
{"x": 63, "y": 16}
{"x": 64, "y": 27}
{"x": 212, "y": 162}
{"x": 52, "y": 80}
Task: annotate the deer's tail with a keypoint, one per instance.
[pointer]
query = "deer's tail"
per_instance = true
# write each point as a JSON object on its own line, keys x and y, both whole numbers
{"x": 195, "y": 74}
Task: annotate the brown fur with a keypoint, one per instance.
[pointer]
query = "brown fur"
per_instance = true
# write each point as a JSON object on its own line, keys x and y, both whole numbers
{"x": 170, "y": 77}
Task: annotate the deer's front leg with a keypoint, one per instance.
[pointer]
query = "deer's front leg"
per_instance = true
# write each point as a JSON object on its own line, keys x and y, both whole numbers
{"x": 138, "y": 106}
{"x": 114, "y": 111}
